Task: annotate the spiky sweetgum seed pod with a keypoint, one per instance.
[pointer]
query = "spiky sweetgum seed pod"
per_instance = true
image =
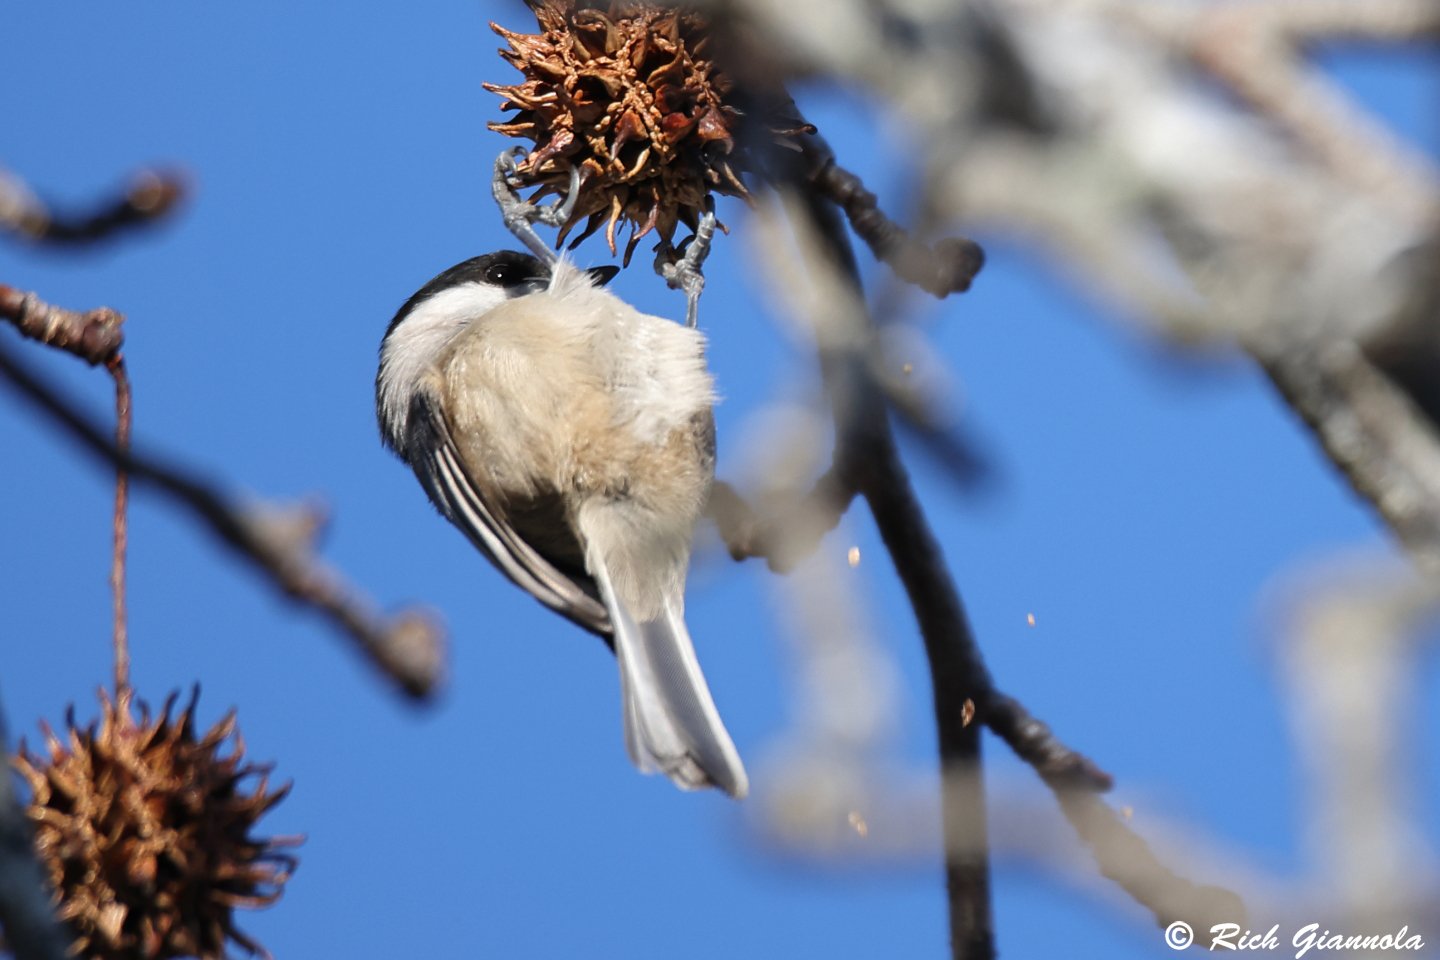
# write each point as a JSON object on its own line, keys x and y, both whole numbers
{"x": 630, "y": 96}
{"x": 144, "y": 833}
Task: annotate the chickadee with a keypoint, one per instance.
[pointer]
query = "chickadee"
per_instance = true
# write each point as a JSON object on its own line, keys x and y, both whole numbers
{"x": 571, "y": 438}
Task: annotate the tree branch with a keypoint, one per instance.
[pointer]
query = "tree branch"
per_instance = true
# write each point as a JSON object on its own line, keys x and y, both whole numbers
{"x": 1387, "y": 448}
{"x": 1253, "y": 48}
{"x": 408, "y": 648}
{"x": 957, "y": 674}
{"x": 1350, "y": 19}
{"x": 149, "y": 197}
{"x": 1121, "y": 855}
{"x": 121, "y": 523}
{"x": 948, "y": 267}
{"x": 94, "y": 336}
{"x": 1034, "y": 742}
{"x": 866, "y": 459}
{"x": 1128, "y": 860}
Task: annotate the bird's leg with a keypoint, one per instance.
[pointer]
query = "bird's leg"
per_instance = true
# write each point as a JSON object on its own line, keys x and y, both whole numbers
{"x": 684, "y": 273}
{"x": 519, "y": 214}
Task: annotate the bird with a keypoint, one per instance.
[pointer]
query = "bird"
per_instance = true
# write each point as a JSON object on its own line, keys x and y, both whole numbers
{"x": 571, "y": 438}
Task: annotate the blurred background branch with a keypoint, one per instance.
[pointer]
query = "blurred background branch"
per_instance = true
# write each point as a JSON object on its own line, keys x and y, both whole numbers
{"x": 150, "y": 196}
{"x": 408, "y": 648}
{"x": 1186, "y": 162}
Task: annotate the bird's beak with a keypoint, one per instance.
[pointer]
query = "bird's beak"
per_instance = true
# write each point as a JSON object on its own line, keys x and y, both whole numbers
{"x": 602, "y": 275}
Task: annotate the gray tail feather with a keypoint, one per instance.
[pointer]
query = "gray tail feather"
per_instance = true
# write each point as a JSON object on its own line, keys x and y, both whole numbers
{"x": 671, "y": 723}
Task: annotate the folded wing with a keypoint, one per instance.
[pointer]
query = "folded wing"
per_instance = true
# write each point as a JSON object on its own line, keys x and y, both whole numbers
{"x": 432, "y": 453}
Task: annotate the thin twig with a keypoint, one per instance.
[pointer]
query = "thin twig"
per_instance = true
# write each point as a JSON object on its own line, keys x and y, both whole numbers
{"x": 116, "y": 366}
{"x": 26, "y": 916}
{"x": 408, "y": 648}
{"x": 793, "y": 535}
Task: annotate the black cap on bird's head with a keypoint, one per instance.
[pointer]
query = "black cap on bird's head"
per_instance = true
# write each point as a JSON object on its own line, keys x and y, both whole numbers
{"x": 518, "y": 274}
{"x": 440, "y": 310}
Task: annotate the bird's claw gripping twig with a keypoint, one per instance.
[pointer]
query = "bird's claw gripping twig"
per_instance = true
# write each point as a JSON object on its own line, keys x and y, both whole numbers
{"x": 684, "y": 273}
{"x": 519, "y": 214}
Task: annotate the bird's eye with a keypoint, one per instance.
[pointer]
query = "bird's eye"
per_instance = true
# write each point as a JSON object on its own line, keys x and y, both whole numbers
{"x": 501, "y": 274}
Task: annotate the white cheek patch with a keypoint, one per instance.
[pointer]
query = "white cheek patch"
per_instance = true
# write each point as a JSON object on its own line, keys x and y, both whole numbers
{"x": 410, "y": 350}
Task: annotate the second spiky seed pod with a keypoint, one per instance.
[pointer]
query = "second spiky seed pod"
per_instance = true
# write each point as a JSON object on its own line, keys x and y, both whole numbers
{"x": 144, "y": 832}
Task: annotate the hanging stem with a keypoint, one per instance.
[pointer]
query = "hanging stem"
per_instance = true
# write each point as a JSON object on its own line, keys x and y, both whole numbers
{"x": 116, "y": 366}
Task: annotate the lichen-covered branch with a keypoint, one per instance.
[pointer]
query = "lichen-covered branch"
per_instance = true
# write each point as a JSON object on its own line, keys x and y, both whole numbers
{"x": 408, "y": 648}
{"x": 1387, "y": 448}
{"x": 1304, "y": 20}
{"x": 1254, "y": 48}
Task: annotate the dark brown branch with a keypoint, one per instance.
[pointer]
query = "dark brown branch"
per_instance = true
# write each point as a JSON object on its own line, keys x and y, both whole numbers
{"x": 94, "y": 336}
{"x": 26, "y": 916}
{"x": 957, "y": 674}
{"x": 150, "y": 196}
{"x": 408, "y": 648}
{"x": 867, "y": 459}
{"x": 948, "y": 267}
{"x": 1034, "y": 742}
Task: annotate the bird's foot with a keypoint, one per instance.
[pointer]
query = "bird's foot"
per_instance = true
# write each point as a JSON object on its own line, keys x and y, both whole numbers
{"x": 519, "y": 214}
{"x": 681, "y": 269}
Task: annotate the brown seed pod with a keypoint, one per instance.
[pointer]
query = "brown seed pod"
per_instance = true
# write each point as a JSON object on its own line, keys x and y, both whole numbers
{"x": 631, "y": 97}
{"x": 144, "y": 833}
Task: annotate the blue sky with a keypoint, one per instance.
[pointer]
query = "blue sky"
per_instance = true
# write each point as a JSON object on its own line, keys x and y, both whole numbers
{"x": 341, "y": 159}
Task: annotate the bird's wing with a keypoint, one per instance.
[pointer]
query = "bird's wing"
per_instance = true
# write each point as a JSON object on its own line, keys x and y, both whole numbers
{"x": 432, "y": 453}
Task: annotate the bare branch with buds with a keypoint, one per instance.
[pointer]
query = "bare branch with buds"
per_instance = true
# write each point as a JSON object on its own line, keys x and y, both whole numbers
{"x": 94, "y": 336}
{"x": 409, "y": 648}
